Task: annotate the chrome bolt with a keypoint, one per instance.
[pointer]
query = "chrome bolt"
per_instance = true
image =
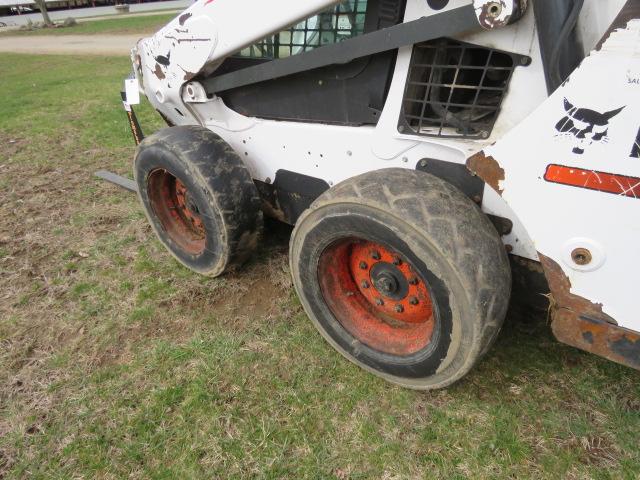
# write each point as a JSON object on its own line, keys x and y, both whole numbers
{"x": 365, "y": 284}
{"x": 397, "y": 261}
{"x": 414, "y": 301}
{"x": 413, "y": 281}
{"x": 399, "y": 308}
{"x": 363, "y": 265}
{"x": 379, "y": 302}
{"x": 375, "y": 255}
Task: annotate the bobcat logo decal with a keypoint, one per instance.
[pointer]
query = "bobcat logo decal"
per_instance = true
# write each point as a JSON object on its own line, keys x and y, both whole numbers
{"x": 585, "y": 126}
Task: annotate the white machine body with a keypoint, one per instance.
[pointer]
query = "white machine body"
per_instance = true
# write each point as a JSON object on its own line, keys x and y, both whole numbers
{"x": 564, "y": 168}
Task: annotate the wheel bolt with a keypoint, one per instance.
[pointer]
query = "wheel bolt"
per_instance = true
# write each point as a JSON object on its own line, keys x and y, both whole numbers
{"x": 414, "y": 301}
{"x": 397, "y": 261}
{"x": 363, "y": 265}
{"x": 375, "y": 255}
{"x": 413, "y": 280}
{"x": 379, "y": 302}
{"x": 399, "y": 308}
{"x": 365, "y": 284}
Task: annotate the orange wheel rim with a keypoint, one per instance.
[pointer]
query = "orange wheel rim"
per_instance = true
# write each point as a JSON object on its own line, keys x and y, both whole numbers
{"x": 178, "y": 213}
{"x": 377, "y": 296}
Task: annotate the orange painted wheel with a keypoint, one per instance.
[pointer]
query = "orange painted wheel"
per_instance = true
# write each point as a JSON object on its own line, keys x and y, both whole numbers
{"x": 403, "y": 275}
{"x": 377, "y": 296}
{"x": 177, "y": 211}
{"x": 199, "y": 198}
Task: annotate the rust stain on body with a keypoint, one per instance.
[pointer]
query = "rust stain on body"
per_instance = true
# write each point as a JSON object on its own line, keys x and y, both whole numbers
{"x": 488, "y": 169}
{"x": 158, "y": 72}
{"x": 601, "y": 338}
{"x": 582, "y": 324}
{"x": 560, "y": 286}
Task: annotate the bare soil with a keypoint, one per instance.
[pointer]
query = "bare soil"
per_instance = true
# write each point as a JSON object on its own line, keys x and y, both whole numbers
{"x": 70, "y": 44}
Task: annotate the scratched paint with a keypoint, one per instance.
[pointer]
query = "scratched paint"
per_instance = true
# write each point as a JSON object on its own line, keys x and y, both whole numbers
{"x": 593, "y": 180}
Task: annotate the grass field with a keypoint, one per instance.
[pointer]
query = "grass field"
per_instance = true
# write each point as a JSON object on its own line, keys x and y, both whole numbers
{"x": 143, "y": 24}
{"x": 115, "y": 362}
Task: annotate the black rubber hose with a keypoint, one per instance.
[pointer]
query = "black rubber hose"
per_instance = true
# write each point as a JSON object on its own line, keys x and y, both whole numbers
{"x": 567, "y": 28}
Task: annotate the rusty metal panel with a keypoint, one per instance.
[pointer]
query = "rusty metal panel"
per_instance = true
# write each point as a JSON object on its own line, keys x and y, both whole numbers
{"x": 596, "y": 336}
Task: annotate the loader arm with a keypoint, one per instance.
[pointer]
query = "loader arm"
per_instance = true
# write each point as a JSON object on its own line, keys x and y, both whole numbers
{"x": 196, "y": 43}
{"x": 201, "y": 37}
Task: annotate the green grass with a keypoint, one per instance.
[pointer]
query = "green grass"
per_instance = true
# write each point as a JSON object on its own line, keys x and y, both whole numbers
{"x": 115, "y": 362}
{"x": 143, "y": 24}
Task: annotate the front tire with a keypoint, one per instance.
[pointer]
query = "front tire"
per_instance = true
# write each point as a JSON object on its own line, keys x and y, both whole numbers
{"x": 403, "y": 275}
{"x": 199, "y": 198}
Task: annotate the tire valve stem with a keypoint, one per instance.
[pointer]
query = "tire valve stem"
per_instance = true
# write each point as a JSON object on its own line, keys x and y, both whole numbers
{"x": 399, "y": 308}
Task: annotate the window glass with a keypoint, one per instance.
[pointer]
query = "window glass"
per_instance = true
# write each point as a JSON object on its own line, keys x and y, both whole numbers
{"x": 346, "y": 20}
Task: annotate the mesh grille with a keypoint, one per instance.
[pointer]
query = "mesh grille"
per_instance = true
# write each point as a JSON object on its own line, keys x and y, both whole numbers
{"x": 454, "y": 89}
{"x": 346, "y": 20}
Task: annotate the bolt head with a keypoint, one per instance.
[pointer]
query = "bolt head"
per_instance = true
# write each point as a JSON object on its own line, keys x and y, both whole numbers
{"x": 364, "y": 284}
{"x": 379, "y": 302}
{"x": 397, "y": 261}
{"x": 399, "y": 308}
{"x": 375, "y": 255}
{"x": 414, "y": 301}
{"x": 363, "y": 265}
{"x": 413, "y": 281}
{"x": 581, "y": 256}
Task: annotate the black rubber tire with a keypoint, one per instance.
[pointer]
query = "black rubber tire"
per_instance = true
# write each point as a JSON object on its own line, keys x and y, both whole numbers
{"x": 447, "y": 239}
{"x": 219, "y": 184}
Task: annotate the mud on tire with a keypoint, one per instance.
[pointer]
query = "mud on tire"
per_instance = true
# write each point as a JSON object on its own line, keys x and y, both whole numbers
{"x": 199, "y": 198}
{"x": 374, "y": 255}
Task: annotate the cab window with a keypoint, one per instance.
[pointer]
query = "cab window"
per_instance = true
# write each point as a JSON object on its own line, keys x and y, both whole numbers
{"x": 344, "y": 21}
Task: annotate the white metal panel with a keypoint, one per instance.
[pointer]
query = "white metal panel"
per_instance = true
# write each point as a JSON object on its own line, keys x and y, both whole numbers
{"x": 560, "y": 218}
{"x": 595, "y": 19}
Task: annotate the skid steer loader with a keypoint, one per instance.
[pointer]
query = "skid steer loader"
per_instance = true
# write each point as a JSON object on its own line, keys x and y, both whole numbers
{"x": 417, "y": 146}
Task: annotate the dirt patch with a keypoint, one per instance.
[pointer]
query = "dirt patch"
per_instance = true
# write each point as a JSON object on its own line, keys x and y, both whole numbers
{"x": 70, "y": 44}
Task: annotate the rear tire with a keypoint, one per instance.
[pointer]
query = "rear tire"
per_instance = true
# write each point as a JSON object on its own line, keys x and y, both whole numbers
{"x": 403, "y": 275}
{"x": 199, "y": 198}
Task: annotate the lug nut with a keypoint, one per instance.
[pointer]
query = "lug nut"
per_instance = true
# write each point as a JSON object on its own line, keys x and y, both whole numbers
{"x": 379, "y": 302}
{"x": 363, "y": 265}
{"x": 413, "y": 281}
{"x": 375, "y": 255}
{"x": 414, "y": 301}
{"x": 397, "y": 261}
{"x": 399, "y": 308}
{"x": 365, "y": 284}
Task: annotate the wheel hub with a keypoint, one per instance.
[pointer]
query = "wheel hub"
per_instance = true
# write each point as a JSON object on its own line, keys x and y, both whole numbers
{"x": 177, "y": 211}
{"x": 377, "y": 296}
{"x": 389, "y": 281}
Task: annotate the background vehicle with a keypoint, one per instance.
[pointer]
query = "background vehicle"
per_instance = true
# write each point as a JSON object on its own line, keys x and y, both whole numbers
{"x": 413, "y": 144}
{"x": 21, "y": 9}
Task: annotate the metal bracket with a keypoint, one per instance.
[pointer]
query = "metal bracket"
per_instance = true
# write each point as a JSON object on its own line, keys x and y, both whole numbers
{"x": 122, "y": 182}
{"x": 499, "y": 13}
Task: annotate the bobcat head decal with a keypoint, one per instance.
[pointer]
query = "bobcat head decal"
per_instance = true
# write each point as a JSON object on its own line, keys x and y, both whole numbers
{"x": 585, "y": 126}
